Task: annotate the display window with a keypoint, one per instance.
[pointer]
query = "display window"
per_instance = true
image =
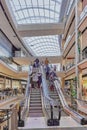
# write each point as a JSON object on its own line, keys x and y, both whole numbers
{"x": 15, "y": 84}
{"x": 8, "y": 83}
{"x": 1, "y": 83}
{"x": 84, "y": 88}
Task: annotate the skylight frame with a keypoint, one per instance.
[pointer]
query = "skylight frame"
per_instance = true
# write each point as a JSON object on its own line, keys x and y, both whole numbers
{"x": 53, "y": 6}
{"x": 51, "y": 12}
{"x": 39, "y": 48}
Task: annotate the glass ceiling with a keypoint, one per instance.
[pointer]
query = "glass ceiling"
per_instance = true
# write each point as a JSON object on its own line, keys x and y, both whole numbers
{"x": 38, "y": 11}
{"x": 43, "y": 45}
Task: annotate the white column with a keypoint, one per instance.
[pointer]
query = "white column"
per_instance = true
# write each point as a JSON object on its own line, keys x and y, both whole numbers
{"x": 76, "y": 45}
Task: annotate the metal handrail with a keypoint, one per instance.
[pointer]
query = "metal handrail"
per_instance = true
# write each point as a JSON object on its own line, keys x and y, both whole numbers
{"x": 78, "y": 117}
{"x": 49, "y": 103}
{"x": 81, "y": 100}
{"x": 27, "y": 97}
{"x": 46, "y": 95}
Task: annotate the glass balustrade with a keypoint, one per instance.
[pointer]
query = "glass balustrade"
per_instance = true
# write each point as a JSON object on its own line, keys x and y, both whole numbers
{"x": 67, "y": 42}
{"x": 69, "y": 65}
{"x": 84, "y": 12}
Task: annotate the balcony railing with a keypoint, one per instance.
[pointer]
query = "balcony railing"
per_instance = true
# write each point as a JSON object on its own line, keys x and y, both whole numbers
{"x": 68, "y": 66}
{"x": 10, "y": 63}
{"x": 20, "y": 54}
{"x": 23, "y": 68}
{"x": 84, "y": 12}
{"x": 67, "y": 41}
{"x": 70, "y": 5}
{"x": 69, "y": 8}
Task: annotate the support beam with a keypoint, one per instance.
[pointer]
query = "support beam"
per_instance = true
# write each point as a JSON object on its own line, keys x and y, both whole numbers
{"x": 40, "y": 29}
{"x": 28, "y": 61}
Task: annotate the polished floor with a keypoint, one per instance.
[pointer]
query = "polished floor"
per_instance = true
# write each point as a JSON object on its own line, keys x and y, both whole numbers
{"x": 39, "y": 123}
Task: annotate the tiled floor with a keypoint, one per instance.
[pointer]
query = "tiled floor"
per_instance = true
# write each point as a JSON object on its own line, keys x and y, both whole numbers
{"x": 66, "y": 123}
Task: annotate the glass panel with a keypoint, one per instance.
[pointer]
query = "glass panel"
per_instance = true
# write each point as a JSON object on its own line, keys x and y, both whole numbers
{"x": 43, "y": 45}
{"x": 38, "y": 11}
{"x": 26, "y": 13}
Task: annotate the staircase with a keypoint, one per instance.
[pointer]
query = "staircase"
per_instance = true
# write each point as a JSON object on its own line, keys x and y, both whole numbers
{"x": 35, "y": 107}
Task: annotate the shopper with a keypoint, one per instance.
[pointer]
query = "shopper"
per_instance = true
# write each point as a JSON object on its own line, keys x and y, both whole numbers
{"x": 47, "y": 72}
{"x": 37, "y": 62}
{"x": 46, "y": 62}
{"x": 39, "y": 80}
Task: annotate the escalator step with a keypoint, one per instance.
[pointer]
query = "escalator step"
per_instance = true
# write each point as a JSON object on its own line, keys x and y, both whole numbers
{"x": 35, "y": 114}
{"x": 35, "y": 111}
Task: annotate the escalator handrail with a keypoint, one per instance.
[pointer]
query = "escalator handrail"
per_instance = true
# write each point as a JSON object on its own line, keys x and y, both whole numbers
{"x": 46, "y": 96}
{"x": 73, "y": 113}
{"x": 28, "y": 84}
{"x": 80, "y": 100}
{"x": 81, "y": 119}
{"x": 60, "y": 93}
{"x": 27, "y": 95}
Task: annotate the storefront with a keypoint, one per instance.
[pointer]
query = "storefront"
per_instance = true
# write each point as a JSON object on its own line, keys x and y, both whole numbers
{"x": 84, "y": 88}
{"x": 2, "y": 84}
{"x": 10, "y": 83}
{"x": 71, "y": 91}
{"x": 23, "y": 85}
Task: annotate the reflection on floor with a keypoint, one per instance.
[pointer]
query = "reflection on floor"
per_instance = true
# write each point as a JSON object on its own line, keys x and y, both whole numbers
{"x": 66, "y": 123}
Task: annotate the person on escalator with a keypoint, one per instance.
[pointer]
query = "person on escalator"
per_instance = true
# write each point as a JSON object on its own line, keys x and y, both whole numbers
{"x": 51, "y": 84}
{"x": 37, "y": 63}
{"x": 47, "y": 72}
{"x": 35, "y": 80}
{"x": 52, "y": 76}
{"x": 39, "y": 80}
{"x": 46, "y": 62}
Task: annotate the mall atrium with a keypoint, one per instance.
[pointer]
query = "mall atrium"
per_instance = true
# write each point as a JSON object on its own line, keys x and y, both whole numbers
{"x": 43, "y": 65}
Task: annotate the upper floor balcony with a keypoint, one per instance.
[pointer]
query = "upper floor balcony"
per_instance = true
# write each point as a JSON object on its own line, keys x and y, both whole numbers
{"x": 70, "y": 14}
{"x": 70, "y": 71}
{"x": 82, "y": 63}
{"x": 13, "y": 66}
{"x": 83, "y": 13}
{"x": 69, "y": 44}
{"x": 69, "y": 65}
{"x": 83, "y": 20}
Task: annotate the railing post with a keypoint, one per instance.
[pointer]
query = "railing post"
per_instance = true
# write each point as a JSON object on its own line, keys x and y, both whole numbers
{"x": 51, "y": 107}
{"x": 59, "y": 113}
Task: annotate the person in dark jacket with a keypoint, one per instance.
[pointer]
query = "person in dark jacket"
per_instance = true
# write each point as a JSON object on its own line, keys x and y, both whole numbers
{"x": 37, "y": 62}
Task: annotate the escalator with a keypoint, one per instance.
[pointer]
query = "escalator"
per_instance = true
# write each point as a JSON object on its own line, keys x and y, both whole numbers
{"x": 75, "y": 115}
{"x": 43, "y": 107}
{"x": 35, "y": 100}
{"x": 54, "y": 95}
{"x": 35, "y": 106}
{"x": 58, "y": 95}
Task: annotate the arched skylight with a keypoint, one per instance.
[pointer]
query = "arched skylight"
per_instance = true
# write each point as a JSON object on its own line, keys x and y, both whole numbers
{"x": 36, "y": 11}
{"x": 43, "y": 45}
